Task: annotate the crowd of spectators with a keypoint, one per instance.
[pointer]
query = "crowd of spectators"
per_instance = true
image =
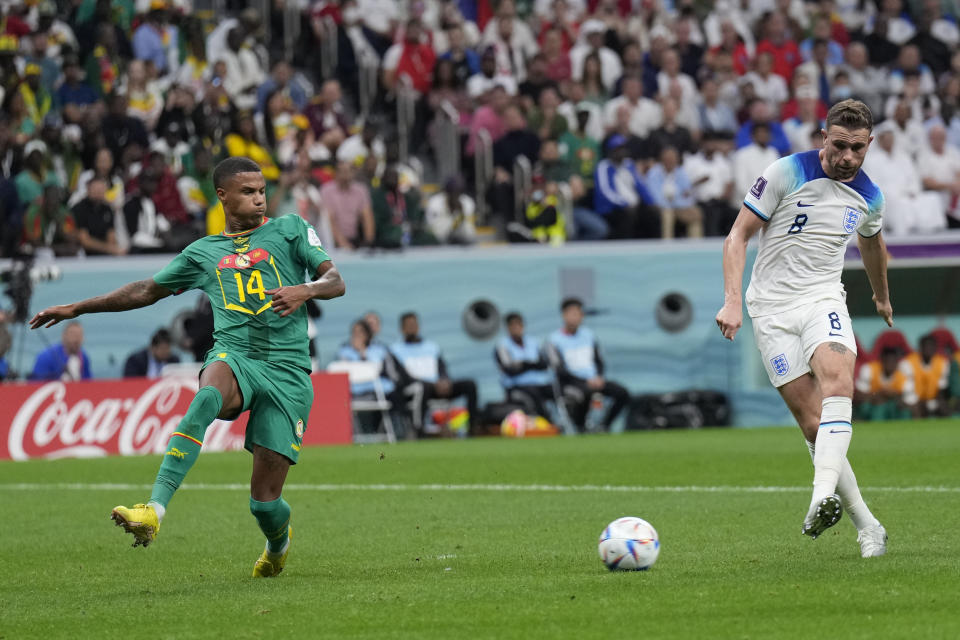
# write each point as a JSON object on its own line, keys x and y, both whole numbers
{"x": 639, "y": 118}
{"x": 894, "y": 381}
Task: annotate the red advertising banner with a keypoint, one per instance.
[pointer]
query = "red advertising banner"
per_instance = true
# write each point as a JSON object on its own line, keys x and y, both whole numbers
{"x": 136, "y": 416}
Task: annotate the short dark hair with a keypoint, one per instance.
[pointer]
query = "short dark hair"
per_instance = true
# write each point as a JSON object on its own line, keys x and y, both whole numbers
{"x": 367, "y": 331}
{"x": 890, "y": 350}
{"x": 230, "y": 167}
{"x": 510, "y": 317}
{"x": 161, "y": 336}
{"x": 850, "y": 114}
{"x": 407, "y": 314}
{"x": 571, "y": 302}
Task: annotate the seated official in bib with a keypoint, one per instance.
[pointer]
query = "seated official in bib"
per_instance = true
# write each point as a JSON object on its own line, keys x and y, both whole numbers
{"x": 424, "y": 364}
{"x": 524, "y": 370}
{"x": 575, "y": 355}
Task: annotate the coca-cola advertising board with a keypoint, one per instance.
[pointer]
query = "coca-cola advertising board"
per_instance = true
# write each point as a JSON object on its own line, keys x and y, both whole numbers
{"x": 136, "y": 416}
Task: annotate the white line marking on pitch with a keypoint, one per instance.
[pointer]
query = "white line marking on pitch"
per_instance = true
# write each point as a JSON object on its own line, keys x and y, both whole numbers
{"x": 543, "y": 488}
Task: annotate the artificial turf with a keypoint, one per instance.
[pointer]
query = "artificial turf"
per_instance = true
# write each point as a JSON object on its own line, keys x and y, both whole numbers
{"x": 495, "y": 538}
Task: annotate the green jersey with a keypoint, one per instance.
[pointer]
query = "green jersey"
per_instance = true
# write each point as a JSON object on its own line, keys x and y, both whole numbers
{"x": 236, "y": 270}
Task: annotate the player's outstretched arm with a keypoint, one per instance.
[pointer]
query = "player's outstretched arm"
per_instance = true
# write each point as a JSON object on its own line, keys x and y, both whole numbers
{"x": 328, "y": 285}
{"x": 730, "y": 316}
{"x": 873, "y": 250}
{"x": 141, "y": 293}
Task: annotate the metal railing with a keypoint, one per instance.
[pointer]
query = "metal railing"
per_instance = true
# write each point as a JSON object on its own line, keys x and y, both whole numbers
{"x": 291, "y": 28}
{"x": 406, "y": 114}
{"x": 565, "y": 208}
{"x": 522, "y": 183}
{"x": 447, "y": 142}
{"x": 369, "y": 84}
{"x": 328, "y": 48}
{"x": 483, "y": 171}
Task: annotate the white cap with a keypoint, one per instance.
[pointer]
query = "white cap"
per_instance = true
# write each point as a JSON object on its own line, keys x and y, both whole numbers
{"x": 884, "y": 127}
{"x": 592, "y": 26}
{"x": 34, "y": 145}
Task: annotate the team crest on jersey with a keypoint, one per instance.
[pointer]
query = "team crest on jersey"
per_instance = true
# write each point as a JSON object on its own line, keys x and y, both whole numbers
{"x": 850, "y": 219}
{"x": 243, "y": 260}
{"x": 757, "y": 189}
{"x": 780, "y": 364}
{"x": 299, "y": 429}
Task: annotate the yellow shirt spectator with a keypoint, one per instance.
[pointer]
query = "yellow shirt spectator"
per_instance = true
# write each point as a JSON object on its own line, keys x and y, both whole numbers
{"x": 930, "y": 377}
{"x": 239, "y": 146}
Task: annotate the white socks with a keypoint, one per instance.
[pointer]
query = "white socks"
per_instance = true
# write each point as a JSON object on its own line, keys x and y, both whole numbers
{"x": 159, "y": 508}
{"x": 833, "y": 440}
{"x": 850, "y": 496}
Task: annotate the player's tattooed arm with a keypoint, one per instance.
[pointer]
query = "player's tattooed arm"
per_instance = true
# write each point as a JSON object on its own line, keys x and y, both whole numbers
{"x": 328, "y": 285}
{"x": 137, "y": 294}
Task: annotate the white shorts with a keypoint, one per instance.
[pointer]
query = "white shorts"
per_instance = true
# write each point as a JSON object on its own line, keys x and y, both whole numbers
{"x": 787, "y": 340}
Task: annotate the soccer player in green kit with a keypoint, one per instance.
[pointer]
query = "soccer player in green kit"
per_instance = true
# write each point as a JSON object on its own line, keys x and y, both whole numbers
{"x": 253, "y": 274}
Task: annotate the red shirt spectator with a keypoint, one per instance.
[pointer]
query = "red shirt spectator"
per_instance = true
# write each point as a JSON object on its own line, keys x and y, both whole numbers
{"x": 412, "y": 58}
{"x": 786, "y": 54}
{"x": 167, "y": 196}
{"x": 556, "y": 55}
{"x": 789, "y": 110}
{"x": 731, "y": 44}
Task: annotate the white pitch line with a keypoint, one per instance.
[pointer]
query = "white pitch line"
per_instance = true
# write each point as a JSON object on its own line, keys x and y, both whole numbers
{"x": 535, "y": 488}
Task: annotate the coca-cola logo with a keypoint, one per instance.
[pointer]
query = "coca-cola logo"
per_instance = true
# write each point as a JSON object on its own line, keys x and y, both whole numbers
{"x": 49, "y": 425}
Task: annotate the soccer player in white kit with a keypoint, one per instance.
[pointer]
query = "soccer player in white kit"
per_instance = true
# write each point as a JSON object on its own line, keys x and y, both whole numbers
{"x": 806, "y": 207}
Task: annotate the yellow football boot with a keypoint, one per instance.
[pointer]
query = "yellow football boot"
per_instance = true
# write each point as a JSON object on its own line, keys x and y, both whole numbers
{"x": 141, "y": 520}
{"x": 267, "y": 566}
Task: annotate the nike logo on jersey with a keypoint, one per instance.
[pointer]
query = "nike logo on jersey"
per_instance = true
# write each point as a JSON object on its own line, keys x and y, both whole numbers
{"x": 840, "y": 335}
{"x": 840, "y": 431}
{"x": 800, "y": 204}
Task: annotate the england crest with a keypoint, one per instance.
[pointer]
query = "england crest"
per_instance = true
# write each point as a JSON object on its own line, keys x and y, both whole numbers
{"x": 850, "y": 219}
{"x": 780, "y": 364}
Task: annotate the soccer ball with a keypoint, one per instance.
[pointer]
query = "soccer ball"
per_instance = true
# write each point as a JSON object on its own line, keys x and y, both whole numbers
{"x": 629, "y": 544}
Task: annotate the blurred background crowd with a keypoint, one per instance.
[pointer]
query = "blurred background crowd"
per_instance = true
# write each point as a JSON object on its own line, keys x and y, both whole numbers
{"x": 389, "y": 123}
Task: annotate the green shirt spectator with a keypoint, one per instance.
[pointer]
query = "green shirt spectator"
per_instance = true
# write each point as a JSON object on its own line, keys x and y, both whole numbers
{"x": 398, "y": 217}
{"x": 580, "y": 152}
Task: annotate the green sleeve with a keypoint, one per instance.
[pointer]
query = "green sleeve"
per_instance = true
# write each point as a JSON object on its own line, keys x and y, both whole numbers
{"x": 308, "y": 247}
{"x": 180, "y": 275}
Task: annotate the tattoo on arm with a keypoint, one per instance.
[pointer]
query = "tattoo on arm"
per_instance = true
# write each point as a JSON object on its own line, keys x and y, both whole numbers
{"x": 130, "y": 296}
{"x": 837, "y": 347}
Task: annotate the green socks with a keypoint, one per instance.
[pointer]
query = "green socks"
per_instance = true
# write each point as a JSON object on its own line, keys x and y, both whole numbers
{"x": 274, "y": 520}
{"x": 185, "y": 443}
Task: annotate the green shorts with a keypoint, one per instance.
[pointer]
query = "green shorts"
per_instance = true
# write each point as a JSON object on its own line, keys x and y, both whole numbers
{"x": 278, "y": 396}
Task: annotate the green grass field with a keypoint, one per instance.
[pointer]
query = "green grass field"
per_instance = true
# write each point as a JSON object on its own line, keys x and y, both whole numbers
{"x": 495, "y": 539}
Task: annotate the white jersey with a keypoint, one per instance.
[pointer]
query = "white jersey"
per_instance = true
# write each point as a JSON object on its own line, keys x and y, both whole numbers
{"x": 810, "y": 219}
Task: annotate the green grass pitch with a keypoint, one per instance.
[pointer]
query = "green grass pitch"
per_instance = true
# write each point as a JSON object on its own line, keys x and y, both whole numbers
{"x": 450, "y": 539}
